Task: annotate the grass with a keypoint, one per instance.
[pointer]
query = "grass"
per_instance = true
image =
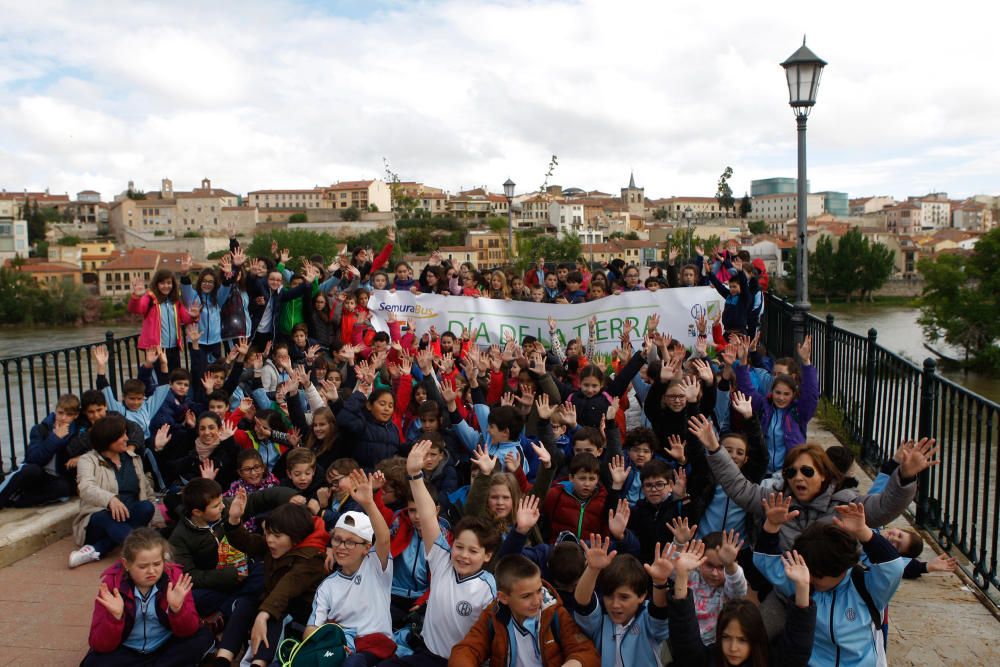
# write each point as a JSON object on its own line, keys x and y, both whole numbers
{"x": 833, "y": 419}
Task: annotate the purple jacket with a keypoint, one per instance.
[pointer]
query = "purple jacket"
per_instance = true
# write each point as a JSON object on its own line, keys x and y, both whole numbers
{"x": 800, "y": 412}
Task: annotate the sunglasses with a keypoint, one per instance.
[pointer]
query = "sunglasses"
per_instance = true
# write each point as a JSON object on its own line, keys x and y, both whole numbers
{"x": 791, "y": 471}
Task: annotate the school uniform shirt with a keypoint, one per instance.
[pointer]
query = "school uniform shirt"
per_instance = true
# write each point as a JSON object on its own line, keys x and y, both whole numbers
{"x": 630, "y": 645}
{"x": 358, "y": 603}
{"x": 147, "y": 634}
{"x": 526, "y": 642}
{"x": 455, "y": 604}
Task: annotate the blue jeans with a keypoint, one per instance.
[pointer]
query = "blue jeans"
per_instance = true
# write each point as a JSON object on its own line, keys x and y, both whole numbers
{"x": 104, "y": 533}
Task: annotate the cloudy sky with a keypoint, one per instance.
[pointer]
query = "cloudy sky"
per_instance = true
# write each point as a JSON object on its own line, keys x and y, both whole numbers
{"x": 460, "y": 93}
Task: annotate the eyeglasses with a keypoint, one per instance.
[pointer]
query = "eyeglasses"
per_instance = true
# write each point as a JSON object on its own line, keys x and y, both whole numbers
{"x": 654, "y": 486}
{"x": 350, "y": 544}
{"x": 791, "y": 471}
{"x": 249, "y": 469}
{"x": 676, "y": 397}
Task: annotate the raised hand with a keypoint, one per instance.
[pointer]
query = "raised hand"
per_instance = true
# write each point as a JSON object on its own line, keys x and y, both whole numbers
{"x": 597, "y": 554}
{"x": 701, "y": 427}
{"x": 544, "y": 456}
{"x": 675, "y": 448}
{"x": 742, "y": 404}
{"x": 176, "y": 592}
{"x": 777, "y": 510}
{"x": 544, "y": 406}
{"x": 851, "y": 519}
{"x": 805, "y": 350}
{"x": 238, "y": 506}
{"x": 162, "y": 437}
{"x": 208, "y": 469}
{"x": 691, "y": 388}
{"x": 228, "y": 428}
{"x": 618, "y": 520}
{"x": 100, "y": 355}
{"x": 663, "y": 564}
{"x": 567, "y": 414}
{"x": 730, "y": 549}
{"x": 112, "y": 601}
{"x": 796, "y": 570}
{"x": 138, "y": 286}
{"x": 682, "y": 531}
{"x": 915, "y": 457}
{"x": 691, "y": 558}
{"x": 527, "y": 514}
{"x": 680, "y": 483}
{"x": 512, "y": 462}
{"x": 704, "y": 371}
{"x": 361, "y": 488}
{"x": 482, "y": 459}
{"x": 619, "y": 473}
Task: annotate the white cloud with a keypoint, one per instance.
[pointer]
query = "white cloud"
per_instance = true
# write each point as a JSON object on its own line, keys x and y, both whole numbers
{"x": 464, "y": 92}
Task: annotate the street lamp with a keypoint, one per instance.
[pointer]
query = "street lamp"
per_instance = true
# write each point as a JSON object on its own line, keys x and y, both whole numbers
{"x": 688, "y": 215}
{"x": 508, "y": 191}
{"x": 802, "y": 70}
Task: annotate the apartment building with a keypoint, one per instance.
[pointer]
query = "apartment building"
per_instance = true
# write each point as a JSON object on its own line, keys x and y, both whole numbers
{"x": 360, "y": 195}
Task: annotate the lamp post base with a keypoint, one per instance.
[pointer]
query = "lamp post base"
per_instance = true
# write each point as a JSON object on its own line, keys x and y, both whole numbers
{"x": 799, "y": 321}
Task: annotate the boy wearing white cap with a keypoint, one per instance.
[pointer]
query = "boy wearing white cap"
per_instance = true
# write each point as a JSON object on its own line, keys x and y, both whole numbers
{"x": 356, "y": 595}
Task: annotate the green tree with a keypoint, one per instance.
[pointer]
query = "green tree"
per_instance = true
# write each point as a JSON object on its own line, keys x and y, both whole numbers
{"x": 372, "y": 208}
{"x": 298, "y": 217}
{"x": 758, "y": 227}
{"x": 961, "y": 300}
{"x": 69, "y": 240}
{"x": 823, "y": 273}
{"x": 746, "y": 206}
{"x": 351, "y": 214}
{"x": 564, "y": 248}
{"x": 216, "y": 254}
{"x": 851, "y": 253}
{"x": 723, "y": 192}
{"x": 300, "y": 243}
{"x": 876, "y": 268}
{"x": 660, "y": 214}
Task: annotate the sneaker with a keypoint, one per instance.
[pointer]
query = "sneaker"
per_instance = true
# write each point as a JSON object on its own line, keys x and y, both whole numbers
{"x": 85, "y": 554}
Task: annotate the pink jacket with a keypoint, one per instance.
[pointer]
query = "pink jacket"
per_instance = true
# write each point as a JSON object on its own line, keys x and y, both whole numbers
{"x": 107, "y": 634}
{"x": 147, "y": 306}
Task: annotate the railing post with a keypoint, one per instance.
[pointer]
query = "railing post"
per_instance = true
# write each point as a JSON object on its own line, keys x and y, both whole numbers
{"x": 925, "y": 429}
{"x": 828, "y": 359}
{"x": 868, "y": 427}
{"x": 109, "y": 342}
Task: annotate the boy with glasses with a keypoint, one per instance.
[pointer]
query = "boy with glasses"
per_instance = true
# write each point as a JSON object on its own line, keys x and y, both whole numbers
{"x": 661, "y": 504}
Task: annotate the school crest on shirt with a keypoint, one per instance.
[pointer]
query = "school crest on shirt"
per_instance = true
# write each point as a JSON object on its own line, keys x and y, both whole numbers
{"x": 851, "y": 614}
{"x": 464, "y": 608}
{"x": 357, "y": 580}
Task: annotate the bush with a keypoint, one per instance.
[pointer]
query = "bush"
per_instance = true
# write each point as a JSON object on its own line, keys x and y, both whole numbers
{"x": 69, "y": 240}
{"x": 192, "y": 234}
{"x": 351, "y": 214}
{"x": 159, "y": 232}
{"x": 298, "y": 217}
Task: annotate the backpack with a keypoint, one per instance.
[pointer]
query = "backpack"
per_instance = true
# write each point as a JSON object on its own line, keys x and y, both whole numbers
{"x": 858, "y": 579}
{"x": 232, "y": 316}
{"x": 327, "y": 647}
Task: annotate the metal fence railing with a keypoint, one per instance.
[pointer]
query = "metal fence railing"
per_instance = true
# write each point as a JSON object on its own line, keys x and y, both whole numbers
{"x": 885, "y": 400}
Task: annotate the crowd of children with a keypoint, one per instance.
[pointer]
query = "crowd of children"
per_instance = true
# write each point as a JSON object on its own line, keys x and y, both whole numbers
{"x": 319, "y": 488}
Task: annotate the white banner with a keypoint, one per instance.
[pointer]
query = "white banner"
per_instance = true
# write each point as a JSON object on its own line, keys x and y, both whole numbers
{"x": 491, "y": 320}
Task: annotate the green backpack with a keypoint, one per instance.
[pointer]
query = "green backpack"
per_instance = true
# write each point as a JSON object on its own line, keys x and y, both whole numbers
{"x": 327, "y": 647}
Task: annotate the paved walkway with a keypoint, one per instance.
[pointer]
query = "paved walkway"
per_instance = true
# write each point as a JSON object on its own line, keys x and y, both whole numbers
{"x": 45, "y": 612}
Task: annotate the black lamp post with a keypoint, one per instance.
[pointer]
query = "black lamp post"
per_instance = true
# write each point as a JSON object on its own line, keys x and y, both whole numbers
{"x": 508, "y": 191}
{"x": 803, "y": 70}
{"x": 689, "y": 215}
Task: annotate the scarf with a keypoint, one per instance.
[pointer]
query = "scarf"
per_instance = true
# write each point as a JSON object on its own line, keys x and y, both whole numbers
{"x": 203, "y": 450}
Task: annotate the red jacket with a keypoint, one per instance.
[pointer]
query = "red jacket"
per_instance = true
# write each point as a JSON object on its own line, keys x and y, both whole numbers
{"x": 147, "y": 306}
{"x": 567, "y": 512}
{"x": 107, "y": 633}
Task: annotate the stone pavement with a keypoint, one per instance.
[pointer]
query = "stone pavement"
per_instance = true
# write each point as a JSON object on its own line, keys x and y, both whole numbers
{"x": 45, "y": 611}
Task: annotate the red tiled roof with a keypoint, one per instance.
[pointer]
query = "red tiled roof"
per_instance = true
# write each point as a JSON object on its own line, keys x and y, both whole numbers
{"x": 311, "y": 191}
{"x": 45, "y": 267}
{"x": 350, "y": 185}
{"x": 40, "y": 197}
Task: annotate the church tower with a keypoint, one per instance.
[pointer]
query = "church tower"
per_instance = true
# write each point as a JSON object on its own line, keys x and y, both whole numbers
{"x": 634, "y": 198}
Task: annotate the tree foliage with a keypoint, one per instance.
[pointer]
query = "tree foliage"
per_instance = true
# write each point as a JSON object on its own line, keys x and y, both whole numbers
{"x": 758, "y": 227}
{"x": 961, "y": 300}
{"x": 723, "y": 192}
{"x": 564, "y": 248}
{"x": 23, "y": 301}
{"x": 298, "y": 217}
{"x": 857, "y": 265}
{"x": 351, "y": 214}
{"x": 305, "y": 243}
{"x": 746, "y": 206}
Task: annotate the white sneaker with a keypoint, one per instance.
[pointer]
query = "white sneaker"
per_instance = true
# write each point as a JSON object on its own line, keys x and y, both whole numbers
{"x": 85, "y": 554}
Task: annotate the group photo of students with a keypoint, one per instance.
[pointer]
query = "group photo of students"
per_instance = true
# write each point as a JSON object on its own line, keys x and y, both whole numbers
{"x": 285, "y": 483}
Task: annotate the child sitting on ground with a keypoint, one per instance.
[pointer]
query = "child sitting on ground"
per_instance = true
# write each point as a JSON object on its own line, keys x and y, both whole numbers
{"x": 293, "y": 551}
{"x": 144, "y": 612}
{"x": 526, "y": 626}
{"x": 253, "y": 477}
{"x": 356, "y": 595}
{"x": 624, "y": 628}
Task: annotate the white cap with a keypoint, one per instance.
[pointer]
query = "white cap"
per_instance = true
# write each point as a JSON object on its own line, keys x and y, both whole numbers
{"x": 356, "y": 523}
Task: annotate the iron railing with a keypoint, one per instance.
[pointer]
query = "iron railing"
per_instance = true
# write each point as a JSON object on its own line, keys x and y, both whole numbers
{"x": 33, "y": 383}
{"x": 887, "y": 399}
